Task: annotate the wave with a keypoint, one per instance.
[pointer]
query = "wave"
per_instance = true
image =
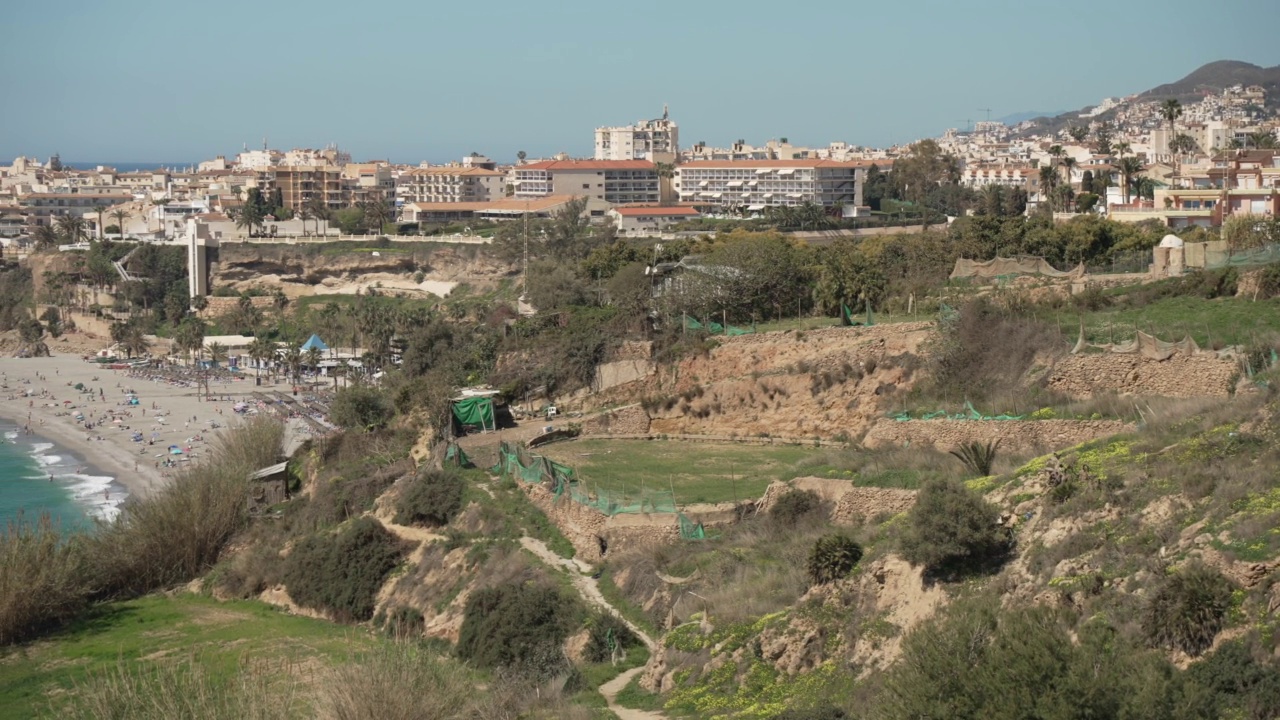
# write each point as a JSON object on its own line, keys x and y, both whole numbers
{"x": 98, "y": 493}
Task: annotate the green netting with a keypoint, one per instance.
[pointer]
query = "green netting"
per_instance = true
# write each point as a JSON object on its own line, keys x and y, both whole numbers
{"x": 969, "y": 413}
{"x": 515, "y": 461}
{"x": 690, "y": 530}
{"x": 475, "y": 412}
{"x": 846, "y": 317}
{"x": 715, "y": 328}
{"x": 946, "y": 313}
{"x": 456, "y": 457}
{"x": 1265, "y": 255}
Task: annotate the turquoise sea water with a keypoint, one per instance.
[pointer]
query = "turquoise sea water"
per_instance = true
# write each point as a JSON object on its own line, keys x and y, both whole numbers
{"x": 76, "y": 495}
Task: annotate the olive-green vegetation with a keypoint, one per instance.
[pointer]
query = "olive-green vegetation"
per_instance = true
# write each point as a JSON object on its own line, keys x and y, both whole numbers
{"x": 433, "y": 498}
{"x": 341, "y": 573}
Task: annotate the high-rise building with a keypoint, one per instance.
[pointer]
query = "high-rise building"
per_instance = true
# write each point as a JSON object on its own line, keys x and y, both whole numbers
{"x": 653, "y": 140}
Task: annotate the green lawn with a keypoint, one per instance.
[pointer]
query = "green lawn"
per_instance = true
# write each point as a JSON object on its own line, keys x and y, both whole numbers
{"x": 222, "y": 635}
{"x": 698, "y": 472}
{"x": 1223, "y": 321}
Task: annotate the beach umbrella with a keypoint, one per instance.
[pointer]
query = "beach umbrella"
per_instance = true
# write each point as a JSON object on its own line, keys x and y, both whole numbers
{"x": 116, "y": 420}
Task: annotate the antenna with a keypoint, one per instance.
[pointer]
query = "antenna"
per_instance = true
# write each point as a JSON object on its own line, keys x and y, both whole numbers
{"x": 987, "y": 111}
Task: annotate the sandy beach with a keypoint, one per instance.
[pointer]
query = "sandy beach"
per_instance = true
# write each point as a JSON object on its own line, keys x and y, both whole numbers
{"x": 41, "y": 392}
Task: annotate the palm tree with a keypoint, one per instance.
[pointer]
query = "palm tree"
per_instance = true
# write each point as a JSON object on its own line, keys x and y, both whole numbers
{"x": 1121, "y": 148}
{"x": 99, "y": 209}
{"x": 1128, "y": 167}
{"x": 293, "y": 359}
{"x": 1068, "y": 163}
{"x": 120, "y": 215}
{"x": 521, "y": 155}
{"x": 1171, "y": 110}
{"x": 71, "y": 227}
{"x": 376, "y": 213}
{"x": 1262, "y": 140}
{"x": 304, "y": 214}
{"x": 1048, "y": 181}
{"x": 134, "y": 341}
{"x": 318, "y": 209}
{"x": 45, "y": 237}
{"x": 312, "y": 358}
{"x": 249, "y": 217}
{"x": 217, "y": 353}
{"x": 261, "y": 350}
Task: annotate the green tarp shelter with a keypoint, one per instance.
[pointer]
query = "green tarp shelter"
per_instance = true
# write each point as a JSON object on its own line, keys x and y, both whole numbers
{"x": 715, "y": 328}
{"x": 474, "y": 412}
{"x": 846, "y": 317}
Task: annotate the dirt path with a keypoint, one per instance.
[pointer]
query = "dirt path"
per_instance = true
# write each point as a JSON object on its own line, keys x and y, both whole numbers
{"x": 590, "y": 591}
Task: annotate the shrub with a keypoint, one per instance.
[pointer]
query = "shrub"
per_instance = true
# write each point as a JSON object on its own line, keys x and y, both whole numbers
{"x": 433, "y": 499}
{"x": 832, "y": 558}
{"x": 1230, "y": 682}
{"x": 44, "y": 578}
{"x": 794, "y": 505}
{"x": 607, "y": 633}
{"x": 1188, "y": 610}
{"x": 361, "y": 407}
{"x": 400, "y": 680}
{"x": 1269, "y": 281}
{"x": 341, "y": 573}
{"x": 827, "y": 712}
{"x": 952, "y": 530}
{"x": 403, "y": 622}
{"x": 178, "y": 533}
{"x": 978, "y": 457}
{"x": 985, "y": 348}
{"x": 517, "y": 626}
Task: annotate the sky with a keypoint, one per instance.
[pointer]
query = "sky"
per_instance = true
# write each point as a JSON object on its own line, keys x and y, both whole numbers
{"x": 414, "y": 80}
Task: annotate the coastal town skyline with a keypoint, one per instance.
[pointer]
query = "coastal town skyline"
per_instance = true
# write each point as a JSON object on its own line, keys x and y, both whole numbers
{"x": 532, "y": 80}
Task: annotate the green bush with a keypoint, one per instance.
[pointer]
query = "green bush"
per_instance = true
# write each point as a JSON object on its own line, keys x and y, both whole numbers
{"x": 361, "y": 407}
{"x": 827, "y": 712}
{"x": 952, "y": 530}
{"x": 433, "y": 499}
{"x": 45, "y": 578}
{"x": 341, "y": 573}
{"x": 795, "y": 505}
{"x": 1231, "y": 682}
{"x": 1188, "y": 610}
{"x": 832, "y": 558}
{"x": 518, "y": 626}
{"x": 606, "y": 633}
{"x": 403, "y": 622}
{"x": 977, "y": 457}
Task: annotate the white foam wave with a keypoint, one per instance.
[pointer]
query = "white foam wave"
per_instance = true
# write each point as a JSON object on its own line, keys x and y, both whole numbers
{"x": 98, "y": 493}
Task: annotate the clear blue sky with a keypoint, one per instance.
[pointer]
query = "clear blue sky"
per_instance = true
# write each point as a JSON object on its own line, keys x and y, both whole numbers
{"x": 408, "y": 80}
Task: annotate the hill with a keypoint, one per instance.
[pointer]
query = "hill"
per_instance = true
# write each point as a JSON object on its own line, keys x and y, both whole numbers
{"x": 1215, "y": 76}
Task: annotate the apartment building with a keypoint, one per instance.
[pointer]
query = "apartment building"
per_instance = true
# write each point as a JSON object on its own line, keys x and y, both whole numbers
{"x": 981, "y": 176}
{"x": 645, "y": 220}
{"x": 1236, "y": 182}
{"x": 368, "y": 182}
{"x": 653, "y": 140}
{"x": 45, "y": 208}
{"x": 299, "y": 184}
{"x": 620, "y": 182}
{"x": 753, "y": 185}
{"x": 450, "y": 184}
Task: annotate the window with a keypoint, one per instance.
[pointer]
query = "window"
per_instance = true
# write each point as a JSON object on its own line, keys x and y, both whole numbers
{"x": 586, "y": 186}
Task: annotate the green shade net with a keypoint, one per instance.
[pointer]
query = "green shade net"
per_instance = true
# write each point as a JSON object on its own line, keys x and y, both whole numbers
{"x": 516, "y": 462}
{"x": 690, "y": 530}
{"x": 1264, "y": 255}
{"x": 456, "y": 457}
{"x": 475, "y": 412}
{"x": 846, "y": 317}
{"x": 715, "y": 328}
{"x": 969, "y": 413}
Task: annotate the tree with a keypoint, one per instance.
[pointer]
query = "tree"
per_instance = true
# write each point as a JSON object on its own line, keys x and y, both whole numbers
{"x": 31, "y": 339}
{"x": 877, "y": 186}
{"x": 217, "y": 353}
{"x": 1129, "y": 167}
{"x": 120, "y": 215}
{"x": 46, "y": 238}
{"x": 847, "y": 277}
{"x": 249, "y": 217}
{"x": 1171, "y": 110}
{"x": 1068, "y": 163}
{"x": 1122, "y": 148}
{"x": 376, "y": 212}
{"x": 1102, "y": 135}
{"x": 1048, "y": 181}
{"x": 312, "y": 358}
{"x": 952, "y": 530}
{"x": 1182, "y": 144}
{"x": 99, "y": 209}
{"x": 71, "y": 227}
{"x": 521, "y": 155}
{"x": 1261, "y": 140}
{"x": 262, "y": 351}
{"x": 135, "y": 341}
{"x": 361, "y": 407}
{"x": 293, "y": 360}
{"x": 1078, "y": 133}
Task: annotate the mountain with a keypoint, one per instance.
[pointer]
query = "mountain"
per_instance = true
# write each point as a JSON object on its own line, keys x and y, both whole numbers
{"x": 1218, "y": 75}
{"x": 1015, "y": 118}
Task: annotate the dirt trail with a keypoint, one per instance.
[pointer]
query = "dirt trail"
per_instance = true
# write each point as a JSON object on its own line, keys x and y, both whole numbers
{"x": 590, "y": 591}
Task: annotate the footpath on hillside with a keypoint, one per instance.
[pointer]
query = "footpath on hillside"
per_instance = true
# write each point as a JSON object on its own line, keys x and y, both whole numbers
{"x": 590, "y": 592}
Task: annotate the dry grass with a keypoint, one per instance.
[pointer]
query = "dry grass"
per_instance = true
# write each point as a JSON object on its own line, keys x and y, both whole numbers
{"x": 45, "y": 578}
{"x": 401, "y": 681}
{"x": 185, "y": 690}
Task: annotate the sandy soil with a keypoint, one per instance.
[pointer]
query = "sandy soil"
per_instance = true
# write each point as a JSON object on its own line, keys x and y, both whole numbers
{"x": 40, "y": 392}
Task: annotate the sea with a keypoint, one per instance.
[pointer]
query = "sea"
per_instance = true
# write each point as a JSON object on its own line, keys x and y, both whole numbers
{"x": 38, "y": 477}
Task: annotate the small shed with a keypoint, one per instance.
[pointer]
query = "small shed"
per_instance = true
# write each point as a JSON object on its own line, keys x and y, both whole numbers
{"x": 268, "y": 486}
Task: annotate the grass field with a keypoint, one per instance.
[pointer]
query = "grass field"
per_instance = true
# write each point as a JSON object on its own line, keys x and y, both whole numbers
{"x": 698, "y": 472}
{"x": 1211, "y": 323}
{"x": 222, "y": 635}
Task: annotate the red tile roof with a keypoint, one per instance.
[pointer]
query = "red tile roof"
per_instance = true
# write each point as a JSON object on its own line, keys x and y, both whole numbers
{"x": 571, "y": 165}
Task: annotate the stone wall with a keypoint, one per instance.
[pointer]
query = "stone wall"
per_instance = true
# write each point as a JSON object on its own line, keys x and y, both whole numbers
{"x": 620, "y": 372}
{"x": 1087, "y": 374}
{"x": 629, "y": 420}
{"x": 849, "y": 504}
{"x": 221, "y": 305}
{"x": 581, "y": 525}
{"x": 1015, "y": 435}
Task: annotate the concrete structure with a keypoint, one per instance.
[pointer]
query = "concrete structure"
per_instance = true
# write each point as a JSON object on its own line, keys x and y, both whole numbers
{"x": 367, "y": 182}
{"x": 653, "y": 140}
{"x": 45, "y": 208}
{"x": 648, "y": 219}
{"x": 299, "y": 184}
{"x": 754, "y": 185}
{"x": 620, "y": 182}
{"x": 450, "y": 184}
{"x": 504, "y": 209}
{"x": 980, "y": 176}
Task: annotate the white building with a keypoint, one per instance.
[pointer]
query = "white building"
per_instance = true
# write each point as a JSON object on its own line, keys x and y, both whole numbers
{"x": 653, "y": 140}
{"x": 621, "y": 182}
{"x": 754, "y": 185}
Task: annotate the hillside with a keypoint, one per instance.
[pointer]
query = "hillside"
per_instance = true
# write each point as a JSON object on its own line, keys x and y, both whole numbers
{"x": 1215, "y": 76}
